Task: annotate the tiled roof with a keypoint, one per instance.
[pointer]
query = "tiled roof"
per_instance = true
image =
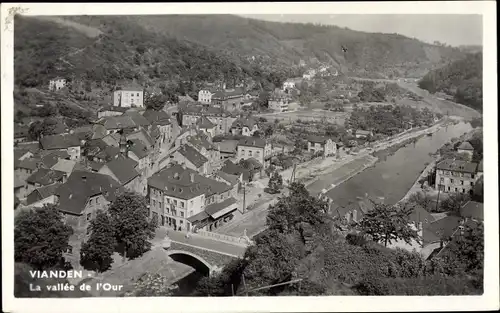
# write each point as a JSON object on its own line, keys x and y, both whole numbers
{"x": 18, "y": 153}
{"x": 192, "y": 155}
{"x": 457, "y": 166}
{"x": 252, "y": 142}
{"x": 29, "y": 163}
{"x": 473, "y": 209}
{"x": 117, "y": 122}
{"x": 139, "y": 149}
{"x": 230, "y": 178}
{"x": 18, "y": 182}
{"x": 45, "y": 176}
{"x": 204, "y": 123}
{"x": 228, "y": 146}
{"x": 33, "y": 147}
{"x": 249, "y": 122}
{"x": 444, "y": 228}
{"x": 138, "y": 118}
{"x": 62, "y": 141}
{"x": 131, "y": 87}
{"x": 465, "y": 146}
{"x": 185, "y": 183}
{"x": 46, "y": 191}
{"x": 143, "y": 136}
{"x": 123, "y": 169}
{"x": 51, "y": 158}
{"x": 212, "y": 209}
{"x": 64, "y": 165}
{"x": 158, "y": 117}
{"x": 317, "y": 139}
{"x": 233, "y": 169}
{"x": 198, "y": 217}
{"x": 201, "y": 141}
{"x": 74, "y": 194}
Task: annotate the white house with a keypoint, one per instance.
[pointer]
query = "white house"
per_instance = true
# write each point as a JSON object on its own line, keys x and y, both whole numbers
{"x": 57, "y": 84}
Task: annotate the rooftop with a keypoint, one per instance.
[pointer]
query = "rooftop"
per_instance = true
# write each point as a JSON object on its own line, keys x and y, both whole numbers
{"x": 457, "y": 166}
{"x": 45, "y": 177}
{"x": 252, "y": 142}
{"x": 249, "y": 122}
{"x": 317, "y": 139}
{"x": 204, "y": 123}
{"x": 62, "y": 141}
{"x": 228, "y": 146}
{"x": 73, "y": 194}
{"x": 117, "y": 122}
{"x": 215, "y": 208}
{"x": 46, "y": 191}
{"x": 473, "y": 209}
{"x": 138, "y": 118}
{"x": 192, "y": 155}
{"x": 158, "y": 117}
{"x": 123, "y": 169}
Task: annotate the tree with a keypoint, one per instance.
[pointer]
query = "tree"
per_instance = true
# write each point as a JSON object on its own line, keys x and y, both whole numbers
{"x": 42, "y": 128}
{"x": 422, "y": 199}
{"x": 155, "y": 102}
{"x": 454, "y": 202}
{"x": 386, "y": 223}
{"x": 151, "y": 285}
{"x": 129, "y": 218}
{"x": 41, "y": 237}
{"x": 96, "y": 253}
{"x": 275, "y": 183}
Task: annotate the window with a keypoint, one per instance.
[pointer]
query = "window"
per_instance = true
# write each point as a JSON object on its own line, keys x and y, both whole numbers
{"x": 462, "y": 182}
{"x": 451, "y": 180}
{"x": 441, "y": 180}
{"x": 456, "y": 189}
{"x": 89, "y": 216}
{"x": 90, "y": 202}
{"x": 190, "y": 213}
{"x": 181, "y": 222}
{"x": 249, "y": 153}
{"x": 97, "y": 200}
{"x": 182, "y": 204}
{"x": 154, "y": 203}
{"x": 168, "y": 200}
{"x": 463, "y": 190}
{"x": 138, "y": 94}
{"x": 242, "y": 152}
{"x": 472, "y": 175}
{"x": 472, "y": 183}
{"x": 448, "y": 188}
{"x": 159, "y": 204}
{"x": 175, "y": 202}
{"x": 182, "y": 214}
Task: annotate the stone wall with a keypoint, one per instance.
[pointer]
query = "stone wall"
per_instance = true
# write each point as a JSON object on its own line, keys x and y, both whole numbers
{"x": 213, "y": 258}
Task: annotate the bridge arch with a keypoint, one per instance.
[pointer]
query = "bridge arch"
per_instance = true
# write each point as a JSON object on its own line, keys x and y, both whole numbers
{"x": 191, "y": 259}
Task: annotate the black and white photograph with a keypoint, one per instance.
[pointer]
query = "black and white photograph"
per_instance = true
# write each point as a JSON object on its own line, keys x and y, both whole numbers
{"x": 249, "y": 154}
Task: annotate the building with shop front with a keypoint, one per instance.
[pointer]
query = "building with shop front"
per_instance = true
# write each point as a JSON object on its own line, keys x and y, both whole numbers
{"x": 456, "y": 176}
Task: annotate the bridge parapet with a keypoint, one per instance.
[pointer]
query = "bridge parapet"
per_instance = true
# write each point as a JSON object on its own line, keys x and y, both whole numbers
{"x": 214, "y": 259}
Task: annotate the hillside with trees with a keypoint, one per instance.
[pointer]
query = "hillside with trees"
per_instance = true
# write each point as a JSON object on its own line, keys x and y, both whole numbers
{"x": 462, "y": 79}
{"x": 287, "y": 43}
{"x": 122, "y": 51}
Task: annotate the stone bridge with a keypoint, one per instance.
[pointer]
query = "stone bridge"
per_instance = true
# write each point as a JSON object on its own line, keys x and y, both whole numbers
{"x": 206, "y": 254}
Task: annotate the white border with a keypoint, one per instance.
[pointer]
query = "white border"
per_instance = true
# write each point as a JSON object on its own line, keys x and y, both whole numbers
{"x": 490, "y": 300}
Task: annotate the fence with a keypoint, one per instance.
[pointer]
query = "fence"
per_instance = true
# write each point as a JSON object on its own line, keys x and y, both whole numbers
{"x": 222, "y": 237}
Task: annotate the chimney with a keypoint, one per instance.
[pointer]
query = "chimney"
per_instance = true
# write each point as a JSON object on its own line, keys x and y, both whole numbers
{"x": 191, "y": 176}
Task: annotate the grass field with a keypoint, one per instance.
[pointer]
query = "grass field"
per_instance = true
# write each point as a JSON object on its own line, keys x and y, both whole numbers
{"x": 316, "y": 115}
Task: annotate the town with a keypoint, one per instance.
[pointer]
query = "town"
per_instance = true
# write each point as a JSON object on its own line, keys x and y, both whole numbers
{"x": 183, "y": 191}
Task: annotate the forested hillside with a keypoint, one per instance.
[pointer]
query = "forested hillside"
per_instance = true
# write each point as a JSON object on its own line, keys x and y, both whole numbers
{"x": 123, "y": 51}
{"x": 462, "y": 79}
{"x": 286, "y": 43}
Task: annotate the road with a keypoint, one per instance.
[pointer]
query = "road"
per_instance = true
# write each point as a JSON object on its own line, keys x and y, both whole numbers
{"x": 337, "y": 170}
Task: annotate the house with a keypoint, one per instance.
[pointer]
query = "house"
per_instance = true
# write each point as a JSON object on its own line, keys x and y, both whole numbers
{"x": 83, "y": 194}
{"x": 233, "y": 180}
{"x": 57, "y": 84}
{"x": 112, "y": 139}
{"x": 67, "y": 166}
{"x": 256, "y": 148}
{"x": 24, "y": 168}
{"x": 472, "y": 210}
{"x": 456, "y": 176}
{"x": 99, "y": 151}
{"x": 351, "y": 211}
{"x": 466, "y": 148}
{"x": 278, "y": 103}
{"x": 50, "y": 158}
{"x": 202, "y": 144}
{"x": 20, "y": 187}
{"x": 291, "y": 83}
{"x": 123, "y": 170}
{"x": 140, "y": 153}
{"x": 193, "y": 159}
{"x": 44, "y": 177}
{"x": 20, "y": 133}
{"x": 206, "y": 126}
{"x": 247, "y": 175}
{"x": 138, "y": 119}
{"x": 245, "y": 126}
{"x": 22, "y": 154}
{"x": 228, "y": 99}
{"x": 63, "y": 142}
{"x": 115, "y": 124}
{"x": 43, "y": 195}
{"x": 111, "y": 111}
{"x": 132, "y": 96}
{"x": 227, "y": 148}
{"x": 363, "y": 133}
{"x": 183, "y": 199}
{"x": 322, "y": 144}
{"x": 186, "y": 99}
{"x": 143, "y": 136}
{"x": 220, "y": 117}
{"x": 161, "y": 120}
{"x": 205, "y": 96}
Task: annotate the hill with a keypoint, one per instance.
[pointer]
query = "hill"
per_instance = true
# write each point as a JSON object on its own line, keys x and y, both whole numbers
{"x": 288, "y": 43}
{"x": 462, "y": 79}
{"x": 107, "y": 50}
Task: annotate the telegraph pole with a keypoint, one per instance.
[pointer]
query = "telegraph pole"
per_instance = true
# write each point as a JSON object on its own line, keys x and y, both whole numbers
{"x": 244, "y": 196}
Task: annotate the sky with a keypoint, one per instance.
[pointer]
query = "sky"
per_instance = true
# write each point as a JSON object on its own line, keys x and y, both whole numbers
{"x": 452, "y": 29}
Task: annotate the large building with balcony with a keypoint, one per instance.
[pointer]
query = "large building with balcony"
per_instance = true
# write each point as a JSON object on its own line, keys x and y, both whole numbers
{"x": 184, "y": 200}
{"x": 129, "y": 97}
{"x": 322, "y": 144}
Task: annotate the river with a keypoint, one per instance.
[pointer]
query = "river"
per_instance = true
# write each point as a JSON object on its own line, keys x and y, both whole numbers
{"x": 393, "y": 175}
